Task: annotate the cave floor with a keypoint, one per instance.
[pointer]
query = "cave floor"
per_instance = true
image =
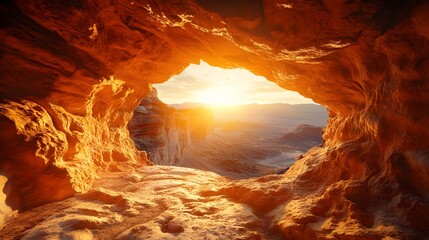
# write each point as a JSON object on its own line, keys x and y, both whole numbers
{"x": 149, "y": 203}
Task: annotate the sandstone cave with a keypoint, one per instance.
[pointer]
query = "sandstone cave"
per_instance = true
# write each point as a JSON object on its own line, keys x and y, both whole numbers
{"x": 72, "y": 73}
{"x": 227, "y": 121}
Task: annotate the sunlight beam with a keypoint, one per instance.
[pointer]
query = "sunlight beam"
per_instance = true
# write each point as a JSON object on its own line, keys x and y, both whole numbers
{"x": 217, "y": 86}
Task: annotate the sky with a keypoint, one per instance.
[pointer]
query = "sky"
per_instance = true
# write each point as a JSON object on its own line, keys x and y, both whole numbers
{"x": 217, "y": 86}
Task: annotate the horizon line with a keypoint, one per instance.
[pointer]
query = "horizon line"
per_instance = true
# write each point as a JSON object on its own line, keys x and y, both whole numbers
{"x": 243, "y": 104}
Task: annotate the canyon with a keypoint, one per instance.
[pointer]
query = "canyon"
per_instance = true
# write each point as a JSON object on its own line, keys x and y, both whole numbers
{"x": 237, "y": 141}
{"x": 73, "y": 72}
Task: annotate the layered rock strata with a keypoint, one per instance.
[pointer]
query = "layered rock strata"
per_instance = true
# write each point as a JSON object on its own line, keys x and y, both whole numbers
{"x": 165, "y": 133}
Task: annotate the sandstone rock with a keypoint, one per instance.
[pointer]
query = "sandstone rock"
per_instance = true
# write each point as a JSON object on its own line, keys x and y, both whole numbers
{"x": 165, "y": 133}
{"x": 174, "y": 226}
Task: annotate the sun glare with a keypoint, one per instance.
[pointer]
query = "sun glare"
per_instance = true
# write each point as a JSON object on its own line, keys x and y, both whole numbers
{"x": 218, "y": 96}
{"x": 217, "y": 86}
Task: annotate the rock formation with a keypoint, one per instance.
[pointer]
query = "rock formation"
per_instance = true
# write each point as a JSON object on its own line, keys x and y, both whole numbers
{"x": 304, "y": 135}
{"x": 165, "y": 133}
{"x": 72, "y": 72}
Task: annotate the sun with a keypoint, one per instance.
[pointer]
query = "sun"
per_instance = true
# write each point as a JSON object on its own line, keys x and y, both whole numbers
{"x": 218, "y": 96}
{"x": 223, "y": 87}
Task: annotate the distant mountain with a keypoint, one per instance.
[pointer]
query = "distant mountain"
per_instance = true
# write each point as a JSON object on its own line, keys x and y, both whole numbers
{"x": 304, "y": 135}
{"x": 189, "y": 105}
{"x": 289, "y": 115}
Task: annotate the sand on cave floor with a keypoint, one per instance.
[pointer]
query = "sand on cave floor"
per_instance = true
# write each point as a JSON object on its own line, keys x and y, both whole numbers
{"x": 149, "y": 203}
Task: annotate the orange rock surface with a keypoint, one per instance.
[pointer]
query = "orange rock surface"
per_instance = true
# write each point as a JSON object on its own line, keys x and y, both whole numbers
{"x": 72, "y": 72}
{"x": 166, "y": 133}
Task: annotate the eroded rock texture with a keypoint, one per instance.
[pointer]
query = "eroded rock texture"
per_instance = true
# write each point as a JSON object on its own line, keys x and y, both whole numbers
{"x": 366, "y": 61}
{"x": 165, "y": 133}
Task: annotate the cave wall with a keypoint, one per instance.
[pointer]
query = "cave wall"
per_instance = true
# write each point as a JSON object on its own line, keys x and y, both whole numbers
{"x": 72, "y": 72}
{"x": 164, "y": 133}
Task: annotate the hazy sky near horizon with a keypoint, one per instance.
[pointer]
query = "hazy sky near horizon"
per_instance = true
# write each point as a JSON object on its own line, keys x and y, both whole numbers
{"x": 213, "y": 85}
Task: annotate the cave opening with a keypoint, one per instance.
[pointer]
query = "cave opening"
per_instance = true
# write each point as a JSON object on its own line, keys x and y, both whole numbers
{"x": 228, "y": 121}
